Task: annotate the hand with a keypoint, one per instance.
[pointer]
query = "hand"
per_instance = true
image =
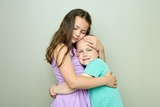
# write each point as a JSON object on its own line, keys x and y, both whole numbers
{"x": 51, "y": 92}
{"x": 94, "y": 43}
{"x": 111, "y": 80}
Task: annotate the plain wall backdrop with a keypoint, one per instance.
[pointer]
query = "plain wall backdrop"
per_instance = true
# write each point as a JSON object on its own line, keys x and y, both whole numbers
{"x": 128, "y": 29}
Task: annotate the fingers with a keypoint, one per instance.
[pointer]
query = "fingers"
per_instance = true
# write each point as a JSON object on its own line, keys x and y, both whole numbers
{"x": 115, "y": 80}
{"x": 116, "y": 83}
{"x": 114, "y": 86}
{"x": 110, "y": 72}
{"x": 90, "y": 43}
{"x": 51, "y": 93}
{"x": 91, "y": 40}
{"x": 94, "y": 42}
{"x": 112, "y": 81}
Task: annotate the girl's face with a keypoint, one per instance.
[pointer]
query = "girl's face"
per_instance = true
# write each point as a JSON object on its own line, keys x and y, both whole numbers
{"x": 85, "y": 53}
{"x": 80, "y": 28}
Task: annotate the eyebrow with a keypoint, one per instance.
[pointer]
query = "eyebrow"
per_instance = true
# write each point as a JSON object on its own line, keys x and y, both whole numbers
{"x": 79, "y": 27}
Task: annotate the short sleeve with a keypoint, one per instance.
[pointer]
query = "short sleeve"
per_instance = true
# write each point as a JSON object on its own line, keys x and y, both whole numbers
{"x": 94, "y": 68}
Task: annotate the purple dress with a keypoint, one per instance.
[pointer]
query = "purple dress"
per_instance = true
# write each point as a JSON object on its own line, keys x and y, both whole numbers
{"x": 78, "y": 98}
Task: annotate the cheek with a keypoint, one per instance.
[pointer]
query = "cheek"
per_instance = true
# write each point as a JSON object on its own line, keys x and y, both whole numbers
{"x": 77, "y": 54}
{"x": 92, "y": 55}
{"x": 80, "y": 60}
{"x": 80, "y": 57}
{"x": 95, "y": 55}
{"x": 82, "y": 35}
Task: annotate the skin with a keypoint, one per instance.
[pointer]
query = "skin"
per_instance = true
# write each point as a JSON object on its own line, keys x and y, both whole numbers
{"x": 80, "y": 29}
{"x": 95, "y": 43}
{"x": 85, "y": 52}
{"x": 74, "y": 81}
{"x": 85, "y": 55}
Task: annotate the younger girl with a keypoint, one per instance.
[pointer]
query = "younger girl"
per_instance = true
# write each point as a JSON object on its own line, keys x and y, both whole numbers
{"x": 102, "y": 96}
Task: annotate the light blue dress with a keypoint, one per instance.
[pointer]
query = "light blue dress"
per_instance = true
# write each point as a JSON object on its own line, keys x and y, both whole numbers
{"x": 102, "y": 96}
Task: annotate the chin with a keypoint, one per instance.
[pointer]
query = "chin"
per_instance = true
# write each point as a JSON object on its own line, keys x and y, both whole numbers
{"x": 85, "y": 63}
{"x": 73, "y": 42}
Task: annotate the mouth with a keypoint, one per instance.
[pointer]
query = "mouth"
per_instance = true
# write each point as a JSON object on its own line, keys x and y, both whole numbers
{"x": 75, "y": 38}
{"x": 86, "y": 59}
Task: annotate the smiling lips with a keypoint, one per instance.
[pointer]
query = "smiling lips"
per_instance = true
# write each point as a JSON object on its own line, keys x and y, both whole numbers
{"x": 86, "y": 59}
{"x": 75, "y": 38}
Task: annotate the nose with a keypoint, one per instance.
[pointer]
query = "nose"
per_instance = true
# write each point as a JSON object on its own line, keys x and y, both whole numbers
{"x": 84, "y": 53}
{"x": 78, "y": 33}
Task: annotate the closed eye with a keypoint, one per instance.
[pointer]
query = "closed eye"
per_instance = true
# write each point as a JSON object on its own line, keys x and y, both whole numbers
{"x": 83, "y": 32}
{"x": 80, "y": 51}
{"x": 75, "y": 28}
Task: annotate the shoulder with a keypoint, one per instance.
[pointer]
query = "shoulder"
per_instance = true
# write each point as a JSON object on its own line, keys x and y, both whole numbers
{"x": 61, "y": 46}
{"x": 60, "y": 49}
{"x": 95, "y": 67}
{"x": 96, "y": 62}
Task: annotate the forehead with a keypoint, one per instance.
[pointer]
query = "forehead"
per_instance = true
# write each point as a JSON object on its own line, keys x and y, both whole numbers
{"x": 81, "y": 23}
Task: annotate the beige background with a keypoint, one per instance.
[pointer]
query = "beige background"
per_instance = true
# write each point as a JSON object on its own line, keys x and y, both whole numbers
{"x": 129, "y": 30}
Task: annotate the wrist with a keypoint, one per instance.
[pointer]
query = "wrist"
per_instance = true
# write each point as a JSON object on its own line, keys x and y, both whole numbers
{"x": 104, "y": 80}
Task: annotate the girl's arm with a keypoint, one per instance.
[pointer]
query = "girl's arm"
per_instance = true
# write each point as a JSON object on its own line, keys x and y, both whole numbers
{"x": 64, "y": 88}
{"x": 79, "y": 82}
{"x": 96, "y": 44}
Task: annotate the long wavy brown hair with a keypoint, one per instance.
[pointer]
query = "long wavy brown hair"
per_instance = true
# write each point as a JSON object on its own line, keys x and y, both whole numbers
{"x": 64, "y": 33}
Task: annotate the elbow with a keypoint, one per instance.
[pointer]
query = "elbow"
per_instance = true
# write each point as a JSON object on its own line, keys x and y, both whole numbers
{"x": 73, "y": 85}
